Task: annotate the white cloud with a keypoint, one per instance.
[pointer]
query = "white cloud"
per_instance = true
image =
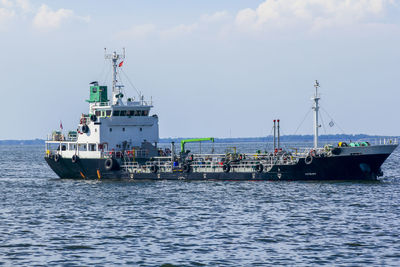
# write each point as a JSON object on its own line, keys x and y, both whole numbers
{"x": 182, "y": 29}
{"x": 43, "y": 18}
{"x": 203, "y": 24}
{"x": 5, "y": 16}
{"x": 25, "y": 5}
{"x": 7, "y": 3}
{"x": 314, "y": 14}
{"x": 138, "y": 31}
{"x": 47, "y": 19}
{"x": 274, "y": 16}
{"x": 216, "y": 17}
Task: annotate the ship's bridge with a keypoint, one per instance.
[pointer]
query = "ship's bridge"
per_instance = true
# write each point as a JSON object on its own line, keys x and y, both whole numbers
{"x": 131, "y": 109}
{"x": 116, "y": 123}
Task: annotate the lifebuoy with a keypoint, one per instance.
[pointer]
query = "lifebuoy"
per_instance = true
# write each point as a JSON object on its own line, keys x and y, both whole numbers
{"x": 226, "y": 167}
{"x": 85, "y": 128}
{"x": 57, "y": 157}
{"x": 109, "y": 164}
{"x": 186, "y": 168}
{"x": 154, "y": 168}
{"x": 259, "y": 168}
{"x": 308, "y": 159}
{"x": 75, "y": 158}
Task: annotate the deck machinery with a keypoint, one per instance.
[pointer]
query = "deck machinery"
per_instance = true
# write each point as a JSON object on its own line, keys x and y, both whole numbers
{"x": 118, "y": 139}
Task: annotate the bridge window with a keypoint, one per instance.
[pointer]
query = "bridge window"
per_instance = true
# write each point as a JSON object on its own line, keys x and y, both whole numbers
{"x": 119, "y": 113}
{"x": 98, "y": 113}
{"x": 108, "y": 113}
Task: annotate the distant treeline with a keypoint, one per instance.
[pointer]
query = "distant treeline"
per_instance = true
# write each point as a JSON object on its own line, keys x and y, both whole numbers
{"x": 285, "y": 138}
{"x": 288, "y": 138}
{"x": 22, "y": 142}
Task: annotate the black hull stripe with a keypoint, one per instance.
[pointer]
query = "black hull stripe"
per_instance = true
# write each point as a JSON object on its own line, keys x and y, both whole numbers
{"x": 330, "y": 168}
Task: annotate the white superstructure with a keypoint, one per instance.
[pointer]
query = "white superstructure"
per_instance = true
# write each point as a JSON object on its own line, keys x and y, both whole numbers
{"x": 116, "y": 124}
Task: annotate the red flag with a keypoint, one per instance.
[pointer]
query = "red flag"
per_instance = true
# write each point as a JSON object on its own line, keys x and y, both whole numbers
{"x": 121, "y": 63}
{"x": 61, "y": 127}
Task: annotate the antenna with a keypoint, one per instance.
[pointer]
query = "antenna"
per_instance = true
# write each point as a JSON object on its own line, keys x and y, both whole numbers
{"x": 114, "y": 57}
{"x": 316, "y": 98}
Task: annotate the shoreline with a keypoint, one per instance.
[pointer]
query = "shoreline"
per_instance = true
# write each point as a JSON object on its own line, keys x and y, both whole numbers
{"x": 284, "y": 138}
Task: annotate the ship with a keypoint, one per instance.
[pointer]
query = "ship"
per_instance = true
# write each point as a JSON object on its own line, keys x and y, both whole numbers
{"x": 119, "y": 139}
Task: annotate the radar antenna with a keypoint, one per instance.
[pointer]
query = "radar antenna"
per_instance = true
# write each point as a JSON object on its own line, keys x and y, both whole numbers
{"x": 116, "y": 89}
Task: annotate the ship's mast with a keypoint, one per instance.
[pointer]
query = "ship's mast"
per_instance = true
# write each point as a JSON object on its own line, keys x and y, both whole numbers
{"x": 316, "y": 98}
{"x": 116, "y": 89}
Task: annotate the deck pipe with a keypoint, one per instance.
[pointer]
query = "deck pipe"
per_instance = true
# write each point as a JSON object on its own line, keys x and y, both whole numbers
{"x": 279, "y": 137}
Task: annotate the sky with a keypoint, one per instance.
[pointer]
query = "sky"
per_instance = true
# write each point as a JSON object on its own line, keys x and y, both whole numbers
{"x": 222, "y": 68}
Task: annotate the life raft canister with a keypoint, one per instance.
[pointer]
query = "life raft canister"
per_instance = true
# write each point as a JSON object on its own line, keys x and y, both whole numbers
{"x": 343, "y": 144}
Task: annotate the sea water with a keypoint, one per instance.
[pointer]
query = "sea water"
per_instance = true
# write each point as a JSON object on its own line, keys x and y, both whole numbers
{"x": 48, "y": 221}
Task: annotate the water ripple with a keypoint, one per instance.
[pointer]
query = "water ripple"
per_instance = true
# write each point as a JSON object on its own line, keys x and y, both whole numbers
{"x": 47, "y": 221}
